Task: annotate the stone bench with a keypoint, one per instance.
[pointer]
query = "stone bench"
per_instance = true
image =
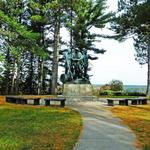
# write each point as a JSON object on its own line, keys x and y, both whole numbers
{"x": 121, "y": 102}
{"x": 138, "y": 101}
{"x": 125, "y": 101}
{"x": 22, "y": 100}
{"x": 61, "y": 100}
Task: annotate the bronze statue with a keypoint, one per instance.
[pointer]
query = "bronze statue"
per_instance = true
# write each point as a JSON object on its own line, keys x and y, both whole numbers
{"x": 76, "y": 66}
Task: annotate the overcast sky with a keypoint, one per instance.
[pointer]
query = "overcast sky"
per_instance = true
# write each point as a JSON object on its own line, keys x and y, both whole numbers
{"x": 118, "y": 62}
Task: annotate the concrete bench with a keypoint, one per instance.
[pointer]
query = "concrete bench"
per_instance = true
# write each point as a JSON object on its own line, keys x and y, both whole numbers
{"x": 61, "y": 100}
{"x": 121, "y": 102}
{"x": 21, "y": 100}
{"x": 138, "y": 101}
{"x": 125, "y": 101}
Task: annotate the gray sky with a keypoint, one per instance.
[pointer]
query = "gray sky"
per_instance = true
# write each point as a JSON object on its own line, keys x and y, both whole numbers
{"x": 118, "y": 62}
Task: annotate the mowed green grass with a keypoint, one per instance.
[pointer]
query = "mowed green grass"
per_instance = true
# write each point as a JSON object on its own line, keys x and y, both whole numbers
{"x": 38, "y": 128}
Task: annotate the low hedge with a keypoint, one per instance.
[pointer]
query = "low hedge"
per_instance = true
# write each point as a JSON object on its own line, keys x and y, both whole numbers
{"x": 136, "y": 94}
{"x": 106, "y": 92}
{"x": 120, "y": 93}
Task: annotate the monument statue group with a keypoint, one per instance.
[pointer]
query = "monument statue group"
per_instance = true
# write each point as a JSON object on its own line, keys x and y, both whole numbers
{"x": 76, "y": 84}
{"x": 76, "y": 67}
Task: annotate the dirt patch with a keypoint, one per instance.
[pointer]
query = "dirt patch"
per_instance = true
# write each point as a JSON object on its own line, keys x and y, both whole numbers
{"x": 2, "y": 99}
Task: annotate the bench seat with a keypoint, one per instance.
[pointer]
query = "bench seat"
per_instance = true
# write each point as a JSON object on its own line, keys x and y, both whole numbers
{"x": 21, "y": 100}
{"x": 125, "y": 101}
{"x": 61, "y": 100}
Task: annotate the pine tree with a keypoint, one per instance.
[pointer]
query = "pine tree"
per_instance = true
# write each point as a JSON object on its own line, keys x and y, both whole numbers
{"x": 84, "y": 16}
{"x": 31, "y": 34}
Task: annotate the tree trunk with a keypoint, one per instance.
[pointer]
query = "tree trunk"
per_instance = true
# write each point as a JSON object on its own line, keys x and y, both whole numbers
{"x": 148, "y": 72}
{"x": 17, "y": 77}
{"x": 31, "y": 73}
{"x": 40, "y": 82}
{"x": 8, "y": 62}
{"x": 71, "y": 20}
{"x": 55, "y": 54}
{"x": 12, "y": 90}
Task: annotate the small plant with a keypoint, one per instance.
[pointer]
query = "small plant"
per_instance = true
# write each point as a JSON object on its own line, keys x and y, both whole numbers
{"x": 116, "y": 85}
{"x": 95, "y": 91}
{"x": 136, "y": 94}
{"x": 59, "y": 90}
{"x": 146, "y": 147}
{"x": 119, "y": 93}
{"x": 105, "y": 87}
{"x": 106, "y": 92}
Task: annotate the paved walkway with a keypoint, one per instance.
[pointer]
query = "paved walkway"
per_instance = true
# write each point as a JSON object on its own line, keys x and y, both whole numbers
{"x": 102, "y": 131}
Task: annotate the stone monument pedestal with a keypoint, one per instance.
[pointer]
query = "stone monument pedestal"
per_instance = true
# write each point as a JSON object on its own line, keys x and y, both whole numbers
{"x": 78, "y": 92}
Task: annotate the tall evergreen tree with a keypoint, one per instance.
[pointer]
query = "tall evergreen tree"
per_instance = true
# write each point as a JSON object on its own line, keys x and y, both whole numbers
{"x": 31, "y": 55}
{"x": 84, "y": 16}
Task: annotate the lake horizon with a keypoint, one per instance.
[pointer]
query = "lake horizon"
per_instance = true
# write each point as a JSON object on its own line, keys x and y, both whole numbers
{"x": 129, "y": 87}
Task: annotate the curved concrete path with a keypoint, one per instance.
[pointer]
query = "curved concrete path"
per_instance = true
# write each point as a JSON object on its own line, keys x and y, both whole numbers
{"x": 102, "y": 131}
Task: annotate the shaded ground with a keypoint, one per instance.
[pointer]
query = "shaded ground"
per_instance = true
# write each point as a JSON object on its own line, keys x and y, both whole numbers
{"x": 103, "y": 131}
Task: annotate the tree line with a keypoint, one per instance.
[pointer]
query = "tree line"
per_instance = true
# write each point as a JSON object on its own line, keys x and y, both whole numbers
{"x": 31, "y": 47}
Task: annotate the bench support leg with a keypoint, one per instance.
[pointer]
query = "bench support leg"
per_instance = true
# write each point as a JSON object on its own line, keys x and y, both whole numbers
{"x": 18, "y": 101}
{"x": 144, "y": 102}
{"x": 134, "y": 102}
{"x": 62, "y": 104}
{"x": 36, "y": 101}
{"x": 24, "y": 101}
{"x": 11, "y": 100}
{"x": 126, "y": 102}
{"x": 110, "y": 103}
{"x": 122, "y": 102}
{"x": 47, "y": 103}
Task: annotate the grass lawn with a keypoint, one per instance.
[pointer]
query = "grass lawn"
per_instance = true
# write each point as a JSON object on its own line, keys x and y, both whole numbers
{"x": 25, "y": 127}
{"x": 138, "y": 119}
{"x": 108, "y": 96}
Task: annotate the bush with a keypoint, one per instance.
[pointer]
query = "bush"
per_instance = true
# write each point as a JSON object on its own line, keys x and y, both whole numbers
{"x": 96, "y": 91}
{"x": 119, "y": 93}
{"x": 106, "y": 92}
{"x": 146, "y": 147}
{"x": 105, "y": 87}
{"x": 59, "y": 90}
{"x": 136, "y": 94}
{"x": 116, "y": 85}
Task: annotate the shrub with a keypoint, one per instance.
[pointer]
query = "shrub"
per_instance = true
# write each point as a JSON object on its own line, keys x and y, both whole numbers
{"x": 96, "y": 91}
{"x": 105, "y": 87}
{"x": 106, "y": 92}
{"x": 136, "y": 94}
{"x": 59, "y": 90}
{"x": 119, "y": 93}
{"x": 146, "y": 147}
{"x": 116, "y": 85}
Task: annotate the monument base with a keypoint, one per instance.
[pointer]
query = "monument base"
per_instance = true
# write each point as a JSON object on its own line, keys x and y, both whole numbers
{"x": 78, "y": 92}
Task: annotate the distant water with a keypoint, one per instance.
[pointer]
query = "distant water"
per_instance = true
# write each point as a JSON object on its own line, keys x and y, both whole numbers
{"x": 135, "y": 88}
{"x": 130, "y": 88}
